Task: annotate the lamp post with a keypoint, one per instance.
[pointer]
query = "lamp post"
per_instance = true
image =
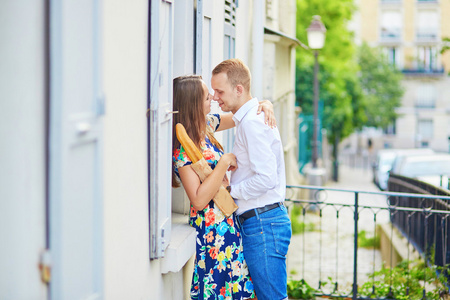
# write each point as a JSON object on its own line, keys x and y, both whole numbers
{"x": 316, "y": 40}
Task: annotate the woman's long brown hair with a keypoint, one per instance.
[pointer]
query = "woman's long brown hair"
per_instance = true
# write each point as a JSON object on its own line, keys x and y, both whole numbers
{"x": 188, "y": 100}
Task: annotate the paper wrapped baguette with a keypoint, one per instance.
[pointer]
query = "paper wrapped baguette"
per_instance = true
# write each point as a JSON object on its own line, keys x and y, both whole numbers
{"x": 222, "y": 199}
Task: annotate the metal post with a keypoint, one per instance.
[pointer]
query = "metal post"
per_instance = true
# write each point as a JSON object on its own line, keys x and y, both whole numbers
{"x": 316, "y": 104}
{"x": 355, "y": 251}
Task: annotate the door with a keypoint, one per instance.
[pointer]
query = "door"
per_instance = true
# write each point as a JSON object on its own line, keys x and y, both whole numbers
{"x": 75, "y": 143}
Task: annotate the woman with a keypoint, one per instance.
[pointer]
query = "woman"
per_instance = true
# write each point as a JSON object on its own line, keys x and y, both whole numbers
{"x": 220, "y": 271}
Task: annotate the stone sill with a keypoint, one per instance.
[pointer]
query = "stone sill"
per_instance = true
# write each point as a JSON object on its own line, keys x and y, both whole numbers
{"x": 181, "y": 246}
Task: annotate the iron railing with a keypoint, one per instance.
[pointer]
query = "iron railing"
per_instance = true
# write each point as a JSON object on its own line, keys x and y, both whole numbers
{"x": 329, "y": 259}
{"x": 423, "y": 229}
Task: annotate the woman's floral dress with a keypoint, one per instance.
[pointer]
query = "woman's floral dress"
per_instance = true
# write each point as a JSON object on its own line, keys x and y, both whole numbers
{"x": 220, "y": 271}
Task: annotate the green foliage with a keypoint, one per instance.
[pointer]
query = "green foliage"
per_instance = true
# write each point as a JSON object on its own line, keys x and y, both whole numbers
{"x": 368, "y": 242}
{"x": 299, "y": 289}
{"x": 404, "y": 281}
{"x": 298, "y": 226}
{"x": 381, "y": 85}
{"x": 358, "y": 87}
{"x": 338, "y": 82}
{"x": 446, "y": 46}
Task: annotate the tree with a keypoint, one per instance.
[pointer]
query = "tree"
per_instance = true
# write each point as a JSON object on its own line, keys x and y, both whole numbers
{"x": 446, "y": 46}
{"x": 381, "y": 85}
{"x": 357, "y": 85}
{"x": 338, "y": 83}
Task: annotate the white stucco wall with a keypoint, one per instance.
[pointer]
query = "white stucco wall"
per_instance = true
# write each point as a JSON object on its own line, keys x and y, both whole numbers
{"x": 244, "y": 16}
{"x": 129, "y": 274}
{"x": 22, "y": 150}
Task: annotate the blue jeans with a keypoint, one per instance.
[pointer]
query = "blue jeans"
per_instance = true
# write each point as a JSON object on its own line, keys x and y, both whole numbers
{"x": 266, "y": 238}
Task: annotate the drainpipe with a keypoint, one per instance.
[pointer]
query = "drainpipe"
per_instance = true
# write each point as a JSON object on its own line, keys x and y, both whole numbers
{"x": 257, "y": 51}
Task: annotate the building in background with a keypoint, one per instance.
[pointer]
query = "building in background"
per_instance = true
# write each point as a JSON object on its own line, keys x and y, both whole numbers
{"x": 410, "y": 33}
{"x": 85, "y": 179}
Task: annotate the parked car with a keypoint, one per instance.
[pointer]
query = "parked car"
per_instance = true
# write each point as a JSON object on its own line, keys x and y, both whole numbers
{"x": 382, "y": 166}
{"x": 388, "y": 160}
{"x": 404, "y": 153}
{"x": 433, "y": 169}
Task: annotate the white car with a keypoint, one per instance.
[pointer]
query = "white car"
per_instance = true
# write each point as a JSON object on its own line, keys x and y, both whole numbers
{"x": 382, "y": 166}
{"x": 433, "y": 169}
{"x": 404, "y": 153}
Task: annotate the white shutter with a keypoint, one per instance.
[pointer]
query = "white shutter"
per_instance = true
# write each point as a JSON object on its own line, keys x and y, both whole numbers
{"x": 75, "y": 185}
{"x": 229, "y": 45}
{"x": 160, "y": 125}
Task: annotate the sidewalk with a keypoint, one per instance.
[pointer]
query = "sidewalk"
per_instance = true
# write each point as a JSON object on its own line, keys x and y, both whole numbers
{"x": 328, "y": 251}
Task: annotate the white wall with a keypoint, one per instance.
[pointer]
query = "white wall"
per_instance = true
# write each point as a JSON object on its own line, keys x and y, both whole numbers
{"x": 244, "y": 17}
{"x": 129, "y": 274}
{"x": 22, "y": 150}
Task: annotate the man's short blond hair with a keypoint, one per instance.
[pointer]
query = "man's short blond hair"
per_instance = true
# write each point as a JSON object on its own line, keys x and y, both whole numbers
{"x": 237, "y": 72}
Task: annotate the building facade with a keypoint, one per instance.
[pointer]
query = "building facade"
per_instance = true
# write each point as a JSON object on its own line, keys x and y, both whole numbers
{"x": 410, "y": 32}
{"x": 86, "y": 203}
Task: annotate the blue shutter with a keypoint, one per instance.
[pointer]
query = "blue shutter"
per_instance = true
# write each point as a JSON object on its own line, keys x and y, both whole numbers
{"x": 160, "y": 126}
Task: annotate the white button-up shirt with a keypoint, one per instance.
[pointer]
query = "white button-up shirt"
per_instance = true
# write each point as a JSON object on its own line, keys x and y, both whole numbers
{"x": 260, "y": 178}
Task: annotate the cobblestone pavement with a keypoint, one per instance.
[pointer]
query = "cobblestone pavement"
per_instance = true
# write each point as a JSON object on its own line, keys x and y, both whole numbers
{"x": 328, "y": 250}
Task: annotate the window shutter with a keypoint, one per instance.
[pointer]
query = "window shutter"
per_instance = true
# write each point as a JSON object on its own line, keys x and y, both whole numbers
{"x": 229, "y": 45}
{"x": 160, "y": 125}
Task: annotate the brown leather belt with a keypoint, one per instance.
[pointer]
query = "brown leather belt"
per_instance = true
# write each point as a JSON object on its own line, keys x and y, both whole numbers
{"x": 251, "y": 213}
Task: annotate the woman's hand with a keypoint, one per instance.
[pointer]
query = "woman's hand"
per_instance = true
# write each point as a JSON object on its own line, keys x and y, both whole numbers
{"x": 269, "y": 117}
{"x": 201, "y": 193}
{"x": 230, "y": 160}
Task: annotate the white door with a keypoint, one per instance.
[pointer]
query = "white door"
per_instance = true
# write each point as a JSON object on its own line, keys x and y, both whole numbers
{"x": 75, "y": 172}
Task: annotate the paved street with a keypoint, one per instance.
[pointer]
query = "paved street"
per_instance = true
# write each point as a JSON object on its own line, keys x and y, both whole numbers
{"x": 328, "y": 250}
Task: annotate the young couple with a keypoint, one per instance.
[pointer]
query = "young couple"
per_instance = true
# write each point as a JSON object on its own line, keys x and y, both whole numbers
{"x": 254, "y": 241}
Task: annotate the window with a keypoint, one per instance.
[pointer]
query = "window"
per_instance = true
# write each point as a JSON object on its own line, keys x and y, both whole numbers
{"x": 427, "y": 25}
{"x": 425, "y": 130}
{"x": 427, "y": 58}
{"x": 391, "y": 25}
{"x": 426, "y": 96}
{"x": 392, "y": 55}
{"x": 390, "y": 129}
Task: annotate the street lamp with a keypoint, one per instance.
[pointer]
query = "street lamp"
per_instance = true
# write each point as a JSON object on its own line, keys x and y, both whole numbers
{"x": 316, "y": 40}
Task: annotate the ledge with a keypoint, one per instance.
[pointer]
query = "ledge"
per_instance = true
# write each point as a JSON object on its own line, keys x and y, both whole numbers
{"x": 181, "y": 246}
{"x": 424, "y": 73}
{"x": 291, "y": 40}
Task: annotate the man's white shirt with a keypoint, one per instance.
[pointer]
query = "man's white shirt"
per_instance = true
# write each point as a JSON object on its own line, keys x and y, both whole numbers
{"x": 260, "y": 178}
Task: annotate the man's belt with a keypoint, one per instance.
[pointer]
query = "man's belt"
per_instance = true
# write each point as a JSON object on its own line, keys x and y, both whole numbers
{"x": 251, "y": 213}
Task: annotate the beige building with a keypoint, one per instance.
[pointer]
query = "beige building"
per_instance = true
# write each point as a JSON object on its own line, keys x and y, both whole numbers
{"x": 410, "y": 33}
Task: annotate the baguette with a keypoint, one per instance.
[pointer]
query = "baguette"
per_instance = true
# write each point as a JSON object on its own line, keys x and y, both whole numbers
{"x": 222, "y": 199}
{"x": 191, "y": 150}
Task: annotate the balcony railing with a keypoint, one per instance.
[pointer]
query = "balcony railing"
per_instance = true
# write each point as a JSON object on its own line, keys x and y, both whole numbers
{"x": 329, "y": 256}
{"x": 391, "y": 35}
{"x": 426, "y": 35}
{"x": 432, "y": 72}
{"x": 425, "y": 103}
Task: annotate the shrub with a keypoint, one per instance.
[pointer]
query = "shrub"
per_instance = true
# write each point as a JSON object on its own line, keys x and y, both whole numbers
{"x": 405, "y": 281}
{"x": 368, "y": 242}
{"x": 299, "y": 289}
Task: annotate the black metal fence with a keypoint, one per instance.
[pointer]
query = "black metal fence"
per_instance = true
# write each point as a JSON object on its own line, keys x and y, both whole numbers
{"x": 326, "y": 253}
{"x": 426, "y": 231}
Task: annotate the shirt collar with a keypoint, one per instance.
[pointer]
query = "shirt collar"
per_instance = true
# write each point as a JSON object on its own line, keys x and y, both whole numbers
{"x": 240, "y": 114}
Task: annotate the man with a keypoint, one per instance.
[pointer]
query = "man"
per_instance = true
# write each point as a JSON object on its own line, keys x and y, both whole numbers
{"x": 258, "y": 184}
